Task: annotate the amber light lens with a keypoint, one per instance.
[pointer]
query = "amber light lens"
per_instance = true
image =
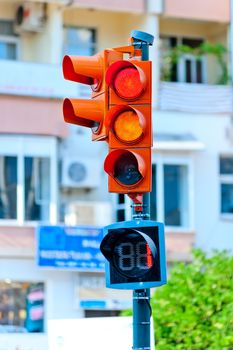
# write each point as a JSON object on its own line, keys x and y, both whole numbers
{"x": 128, "y": 84}
{"x": 127, "y": 127}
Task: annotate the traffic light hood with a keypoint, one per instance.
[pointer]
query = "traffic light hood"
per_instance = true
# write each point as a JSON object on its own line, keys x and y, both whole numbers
{"x": 85, "y": 70}
{"x": 87, "y": 113}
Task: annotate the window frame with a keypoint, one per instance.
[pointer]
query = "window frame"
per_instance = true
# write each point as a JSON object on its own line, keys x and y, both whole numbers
{"x": 11, "y": 39}
{"x": 29, "y": 146}
{"x": 11, "y": 284}
{"x": 181, "y": 76}
{"x": 126, "y": 206}
{"x": 224, "y": 179}
{"x": 93, "y": 44}
{"x": 160, "y": 160}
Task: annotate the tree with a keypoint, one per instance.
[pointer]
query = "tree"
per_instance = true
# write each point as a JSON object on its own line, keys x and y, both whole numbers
{"x": 216, "y": 50}
{"x": 195, "y": 309}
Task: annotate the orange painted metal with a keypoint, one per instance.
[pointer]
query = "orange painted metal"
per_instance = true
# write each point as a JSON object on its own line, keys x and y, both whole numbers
{"x": 143, "y": 156}
{"x": 139, "y": 104}
{"x": 91, "y": 71}
{"x": 85, "y": 70}
{"x": 84, "y": 112}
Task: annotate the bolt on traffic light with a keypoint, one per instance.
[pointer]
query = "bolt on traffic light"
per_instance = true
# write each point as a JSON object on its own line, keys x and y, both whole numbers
{"x": 135, "y": 253}
{"x": 128, "y": 120}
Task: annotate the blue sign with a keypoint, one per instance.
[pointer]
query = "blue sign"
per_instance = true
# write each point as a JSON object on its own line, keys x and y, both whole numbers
{"x": 73, "y": 247}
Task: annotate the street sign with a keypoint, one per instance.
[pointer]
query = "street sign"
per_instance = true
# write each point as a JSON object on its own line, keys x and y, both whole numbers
{"x": 70, "y": 247}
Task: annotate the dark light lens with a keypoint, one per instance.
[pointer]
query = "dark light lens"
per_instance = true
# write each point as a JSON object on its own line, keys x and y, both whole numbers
{"x": 126, "y": 169}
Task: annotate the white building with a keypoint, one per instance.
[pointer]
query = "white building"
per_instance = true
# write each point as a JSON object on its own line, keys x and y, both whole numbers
{"x": 40, "y": 154}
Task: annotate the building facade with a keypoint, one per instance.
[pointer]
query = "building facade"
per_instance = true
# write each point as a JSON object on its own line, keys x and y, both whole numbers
{"x": 51, "y": 173}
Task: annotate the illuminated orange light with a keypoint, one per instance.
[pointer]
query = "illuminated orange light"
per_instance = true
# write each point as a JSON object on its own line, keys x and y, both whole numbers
{"x": 128, "y": 84}
{"x": 127, "y": 127}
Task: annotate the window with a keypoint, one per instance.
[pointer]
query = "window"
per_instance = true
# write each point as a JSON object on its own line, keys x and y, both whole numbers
{"x": 170, "y": 199}
{"x": 37, "y": 189}
{"x": 8, "y": 187}
{"x": 79, "y": 41}
{"x": 226, "y": 184}
{"x": 153, "y": 195}
{"x": 189, "y": 68}
{"x": 123, "y": 207}
{"x": 8, "y": 41}
{"x": 27, "y": 167}
{"x": 175, "y": 195}
{"x": 171, "y": 190}
{"x": 21, "y": 307}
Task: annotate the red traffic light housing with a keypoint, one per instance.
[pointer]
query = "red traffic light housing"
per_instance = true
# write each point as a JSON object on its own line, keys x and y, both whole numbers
{"x": 128, "y": 120}
{"x": 119, "y": 112}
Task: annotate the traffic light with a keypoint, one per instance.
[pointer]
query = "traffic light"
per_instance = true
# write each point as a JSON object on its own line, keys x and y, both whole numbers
{"x": 89, "y": 70}
{"x": 135, "y": 253}
{"x": 128, "y": 120}
{"x": 119, "y": 112}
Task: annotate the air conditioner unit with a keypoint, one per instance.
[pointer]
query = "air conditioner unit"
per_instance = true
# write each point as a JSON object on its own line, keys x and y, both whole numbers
{"x": 80, "y": 172}
{"x": 30, "y": 17}
{"x": 88, "y": 213}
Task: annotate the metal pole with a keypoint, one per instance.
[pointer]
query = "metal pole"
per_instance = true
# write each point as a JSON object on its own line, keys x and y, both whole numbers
{"x": 141, "y": 298}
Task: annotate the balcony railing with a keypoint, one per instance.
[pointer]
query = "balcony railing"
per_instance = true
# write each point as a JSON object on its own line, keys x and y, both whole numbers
{"x": 46, "y": 81}
{"x": 37, "y": 80}
{"x": 137, "y": 6}
{"x": 195, "y": 98}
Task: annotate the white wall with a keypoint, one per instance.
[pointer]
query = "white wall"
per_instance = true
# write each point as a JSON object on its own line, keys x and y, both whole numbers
{"x": 212, "y": 230}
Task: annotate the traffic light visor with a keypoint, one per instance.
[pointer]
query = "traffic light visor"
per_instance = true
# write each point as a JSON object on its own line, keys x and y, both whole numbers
{"x": 126, "y": 79}
{"x": 127, "y": 168}
{"x": 82, "y": 112}
{"x": 85, "y": 70}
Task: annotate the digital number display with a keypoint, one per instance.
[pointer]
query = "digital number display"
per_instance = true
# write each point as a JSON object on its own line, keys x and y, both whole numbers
{"x": 132, "y": 255}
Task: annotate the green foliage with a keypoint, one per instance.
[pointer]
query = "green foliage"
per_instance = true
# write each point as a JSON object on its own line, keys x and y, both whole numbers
{"x": 195, "y": 309}
{"x": 217, "y": 50}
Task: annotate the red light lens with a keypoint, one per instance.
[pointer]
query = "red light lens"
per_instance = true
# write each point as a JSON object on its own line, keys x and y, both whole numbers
{"x": 128, "y": 84}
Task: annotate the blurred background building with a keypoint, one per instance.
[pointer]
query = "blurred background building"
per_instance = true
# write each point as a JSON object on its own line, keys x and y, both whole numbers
{"x": 51, "y": 173}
